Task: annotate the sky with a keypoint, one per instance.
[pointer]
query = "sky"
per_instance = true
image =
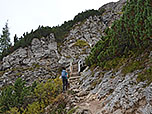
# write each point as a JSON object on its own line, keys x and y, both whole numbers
{"x": 25, "y": 15}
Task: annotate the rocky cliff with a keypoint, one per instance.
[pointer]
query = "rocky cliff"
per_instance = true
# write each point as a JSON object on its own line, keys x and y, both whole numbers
{"x": 116, "y": 92}
{"x": 84, "y": 35}
{"x": 44, "y": 56}
{"x": 38, "y": 61}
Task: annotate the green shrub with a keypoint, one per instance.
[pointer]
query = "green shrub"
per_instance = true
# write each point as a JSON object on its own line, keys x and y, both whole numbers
{"x": 31, "y": 99}
{"x": 132, "y": 66}
{"x": 136, "y": 61}
{"x": 131, "y": 33}
{"x": 114, "y": 63}
{"x": 58, "y": 105}
{"x": 145, "y": 76}
{"x": 35, "y": 108}
{"x": 72, "y": 110}
{"x": 13, "y": 110}
{"x": 13, "y": 96}
{"x": 44, "y": 92}
{"x": 81, "y": 43}
{"x": 6, "y": 99}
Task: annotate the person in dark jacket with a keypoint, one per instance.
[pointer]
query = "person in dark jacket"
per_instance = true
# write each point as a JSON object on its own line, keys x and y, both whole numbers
{"x": 64, "y": 75}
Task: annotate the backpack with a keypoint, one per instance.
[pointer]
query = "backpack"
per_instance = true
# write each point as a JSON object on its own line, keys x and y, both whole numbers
{"x": 64, "y": 74}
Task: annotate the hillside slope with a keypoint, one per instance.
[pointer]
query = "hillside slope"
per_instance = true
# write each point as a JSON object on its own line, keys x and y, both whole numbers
{"x": 116, "y": 47}
{"x": 119, "y": 79}
{"x": 126, "y": 89}
{"x": 42, "y": 59}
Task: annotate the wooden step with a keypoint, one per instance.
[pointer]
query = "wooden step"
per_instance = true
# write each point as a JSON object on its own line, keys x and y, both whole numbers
{"x": 75, "y": 70}
{"x": 75, "y": 74}
{"x": 75, "y": 67}
{"x": 74, "y": 77}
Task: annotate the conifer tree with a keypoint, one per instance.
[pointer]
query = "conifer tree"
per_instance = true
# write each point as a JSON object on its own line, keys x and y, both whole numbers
{"x": 5, "y": 38}
{"x": 15, "y": 39}
{"x": 132, "y": 32}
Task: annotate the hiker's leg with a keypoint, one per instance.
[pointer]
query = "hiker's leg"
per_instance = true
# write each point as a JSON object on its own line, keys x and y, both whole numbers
{"x": 66, "y": 83}
{"x": 63, "y": 82}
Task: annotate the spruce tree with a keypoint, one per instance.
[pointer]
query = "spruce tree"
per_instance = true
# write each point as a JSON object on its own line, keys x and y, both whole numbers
{"x": 5, "y": 38}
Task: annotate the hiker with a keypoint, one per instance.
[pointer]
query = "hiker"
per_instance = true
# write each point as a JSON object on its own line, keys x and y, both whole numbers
{"x": 64, "y": 75}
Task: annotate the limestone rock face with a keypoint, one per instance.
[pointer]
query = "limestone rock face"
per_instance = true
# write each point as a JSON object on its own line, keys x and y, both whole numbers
{"x": 117, "y": 92}
{"x": 113, "y": 11}
{"x": 14, "y": 59}
{"x": 42, "y": 59}
{"x": 39, "y": 60}
{"x": 89, "y": 32}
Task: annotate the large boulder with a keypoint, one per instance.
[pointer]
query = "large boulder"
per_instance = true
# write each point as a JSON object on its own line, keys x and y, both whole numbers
{"x": 15, "y": 58}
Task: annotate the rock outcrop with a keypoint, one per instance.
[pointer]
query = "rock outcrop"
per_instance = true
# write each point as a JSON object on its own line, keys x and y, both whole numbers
{"x": 38, "y": 61}
{"x": 85, "y": 35}
{"x": 114, "y": 92}
{"x": 43, "y": 57}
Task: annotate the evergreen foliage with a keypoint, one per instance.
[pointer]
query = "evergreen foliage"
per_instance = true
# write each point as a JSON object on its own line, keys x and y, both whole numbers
{"x": 132, "y": 32}
{"x": 15, "y": 39}
{"x": 145, "y": 76}
{"x": 18, "y": 98}
{"x": 5, "y": 42}
{"x": 13, "y": 96}
{"x": 81, "y": 43}
{"x": 59, "y": 31}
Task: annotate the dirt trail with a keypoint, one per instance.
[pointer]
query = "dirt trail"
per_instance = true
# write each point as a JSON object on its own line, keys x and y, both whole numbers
{"x": 93, "y": 106}
{"x": 86, "y": 104}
